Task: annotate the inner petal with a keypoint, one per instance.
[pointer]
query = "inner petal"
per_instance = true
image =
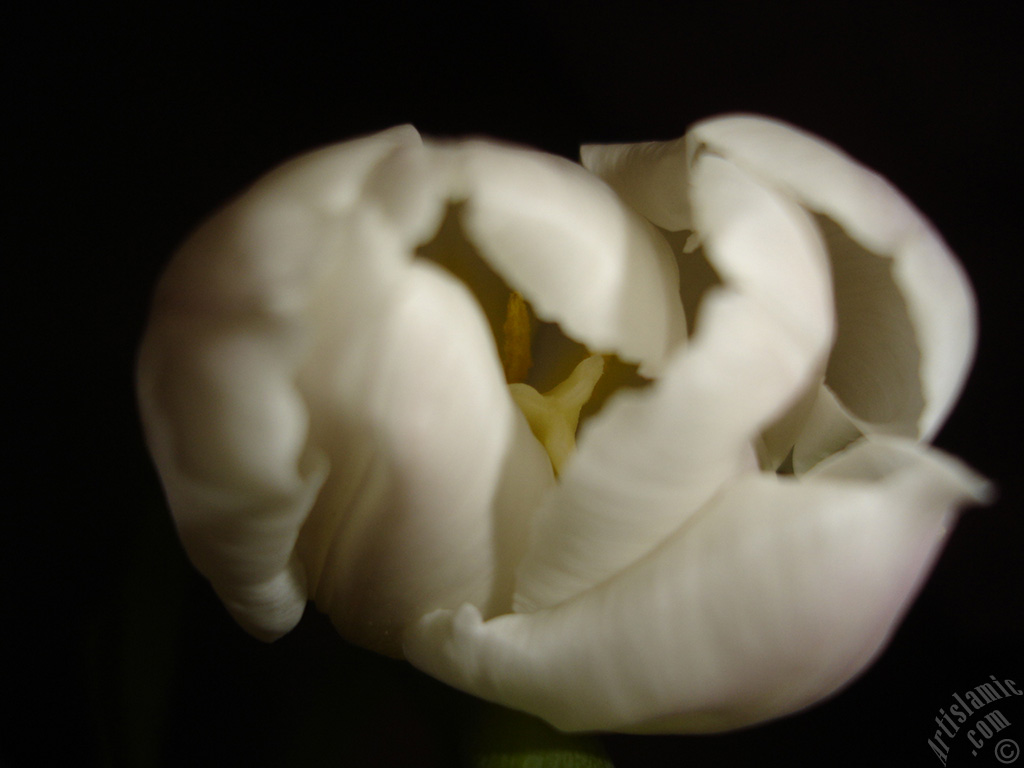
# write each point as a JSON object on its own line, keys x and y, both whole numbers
{"x": 579, "y": 256}
{"x": 933, "y": 288}
{"x": 696, "y": 274}
{"x": 875, "y": 364}
{"x": 873, "y": 380}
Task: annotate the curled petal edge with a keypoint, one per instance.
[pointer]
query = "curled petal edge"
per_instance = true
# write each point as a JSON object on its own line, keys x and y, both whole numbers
{"x": 876, "y": 216}
{"x": 771, "y": 598}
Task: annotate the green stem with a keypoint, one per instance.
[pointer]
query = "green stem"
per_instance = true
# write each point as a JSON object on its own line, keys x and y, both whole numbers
{"x": 503, "y": 738}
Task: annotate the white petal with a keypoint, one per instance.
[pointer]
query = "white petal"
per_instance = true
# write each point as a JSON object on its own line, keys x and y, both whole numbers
{"x": 224, "y": 420}
{"x": 653, "y": 457}
{"x": 827, "y": 429}
{"x": 561, "y": 238}
{"x": 217, "y": 381}
{"x": 765, "y": 247}
{"x": 333, "y": 179}
{"x": 917, "y": 295}
{"x": 777, "y": 593}
{"x": 652, "y": 177}
{"x": 295, "y": 334}
{"x": 434, "y": 472}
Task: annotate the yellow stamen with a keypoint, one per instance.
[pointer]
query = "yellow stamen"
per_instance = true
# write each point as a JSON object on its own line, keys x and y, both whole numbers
{"x": 554, "y": 416}
{"x": 515, "y": 350}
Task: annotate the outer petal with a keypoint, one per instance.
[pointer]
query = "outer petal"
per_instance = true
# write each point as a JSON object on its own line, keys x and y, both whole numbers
{"x": 777, "y": 593}
{"x": 322, "y": 406}
{"x": 907, "y": 319}
{"x": 652, "y": 458}
{"x": 563, "y": 239}
{"x": 216, "y": 375}
{"x": 376, "y": 169}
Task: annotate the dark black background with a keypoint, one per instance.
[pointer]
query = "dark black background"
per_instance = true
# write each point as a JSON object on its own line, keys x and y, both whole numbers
{"x": 130, "y": 125}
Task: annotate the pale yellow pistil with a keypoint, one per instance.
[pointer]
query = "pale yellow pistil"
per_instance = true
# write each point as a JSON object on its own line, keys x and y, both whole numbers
{"x": 554, "y": 416}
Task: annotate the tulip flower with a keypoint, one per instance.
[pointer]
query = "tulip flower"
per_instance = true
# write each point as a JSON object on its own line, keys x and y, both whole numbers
{"x": 636, "y": 446}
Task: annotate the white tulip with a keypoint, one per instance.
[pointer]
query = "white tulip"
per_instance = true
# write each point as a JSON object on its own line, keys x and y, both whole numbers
{"x": 341, "y": 387}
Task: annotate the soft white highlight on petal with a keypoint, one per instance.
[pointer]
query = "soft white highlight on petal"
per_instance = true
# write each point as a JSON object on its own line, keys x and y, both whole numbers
{"x": 333, "y": 179}
{"x": 560, "y": 237}
{"x": 874, "y": 215}
{"x": 653, "y": 457}
{"x": 772, "y": 597}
